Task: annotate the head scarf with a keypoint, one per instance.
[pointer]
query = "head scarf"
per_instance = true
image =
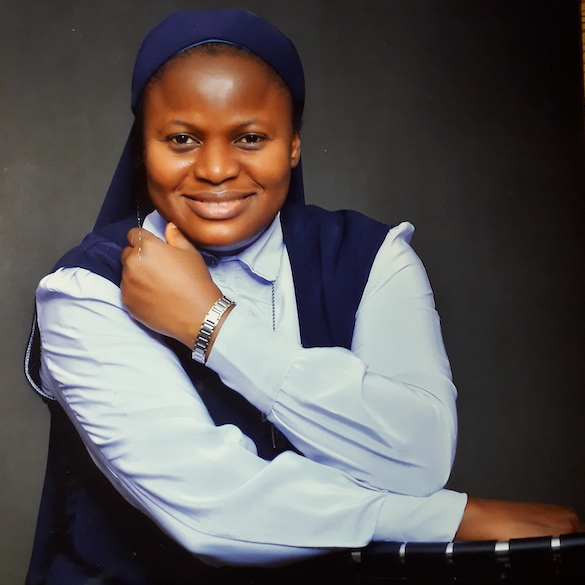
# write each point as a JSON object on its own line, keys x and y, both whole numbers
{"x": 180, "y": 32}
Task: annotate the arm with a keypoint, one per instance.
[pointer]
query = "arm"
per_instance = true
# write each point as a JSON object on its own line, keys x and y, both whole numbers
{"x": 384, "y": 412}
{"x": 398, "y": 292}
{"x": 148, "y": 431}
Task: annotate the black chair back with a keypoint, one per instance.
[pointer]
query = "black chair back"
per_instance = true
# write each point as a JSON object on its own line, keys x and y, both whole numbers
{"x": 523, "y": 561}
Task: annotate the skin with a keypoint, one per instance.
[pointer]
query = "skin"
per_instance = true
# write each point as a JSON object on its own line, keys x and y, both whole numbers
{"x": 217, "y": 128}
{"x": 501, "y": 520}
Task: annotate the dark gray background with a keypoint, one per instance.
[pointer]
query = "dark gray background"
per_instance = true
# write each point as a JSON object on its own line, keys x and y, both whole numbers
{"x": 462, "y": 116}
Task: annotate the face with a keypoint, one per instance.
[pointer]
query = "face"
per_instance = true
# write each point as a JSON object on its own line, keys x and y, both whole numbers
{"x": 219, "y": 147}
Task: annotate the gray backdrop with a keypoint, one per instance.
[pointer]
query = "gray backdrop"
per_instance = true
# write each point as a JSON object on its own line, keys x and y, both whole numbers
{"x": 462, "y": 116}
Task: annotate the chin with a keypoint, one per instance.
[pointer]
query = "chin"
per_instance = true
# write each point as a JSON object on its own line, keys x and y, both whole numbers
{"x": 225, "y": 242}
{"x": 223, "y": 245}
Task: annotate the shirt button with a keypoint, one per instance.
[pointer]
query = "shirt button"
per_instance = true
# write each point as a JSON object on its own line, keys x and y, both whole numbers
{"x": 211, "y": 261}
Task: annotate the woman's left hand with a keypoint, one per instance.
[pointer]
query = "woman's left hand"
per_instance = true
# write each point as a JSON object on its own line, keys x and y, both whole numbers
{"x": 167, "y": 286}
{"x": 501, "y": 520}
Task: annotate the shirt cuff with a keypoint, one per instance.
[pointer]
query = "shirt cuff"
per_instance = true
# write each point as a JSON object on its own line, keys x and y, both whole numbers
{"x": 250, "y": 358}
{"x": 434, "y": 518}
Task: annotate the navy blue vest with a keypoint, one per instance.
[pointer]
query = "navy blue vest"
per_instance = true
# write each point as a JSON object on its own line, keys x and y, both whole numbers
{"x": 86, "y": 532}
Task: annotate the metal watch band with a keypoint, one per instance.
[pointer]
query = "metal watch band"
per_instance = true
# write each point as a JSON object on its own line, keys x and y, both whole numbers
{"x": 211, "y": 320}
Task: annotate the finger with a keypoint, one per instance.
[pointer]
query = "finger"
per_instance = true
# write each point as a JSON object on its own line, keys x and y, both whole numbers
{"x": 136, "y": 237}
{"x": 175, "y": 237}
{"x": 132, "y": 236}
{"x": 139, "y": 235}
{"x": 126, "y": 252}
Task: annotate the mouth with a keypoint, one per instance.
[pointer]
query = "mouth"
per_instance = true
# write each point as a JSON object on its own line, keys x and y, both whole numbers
{"x": 218, "y": 206}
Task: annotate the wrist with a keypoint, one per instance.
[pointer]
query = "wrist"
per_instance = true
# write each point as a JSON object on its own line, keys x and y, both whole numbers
{"x": 210, "y": 327}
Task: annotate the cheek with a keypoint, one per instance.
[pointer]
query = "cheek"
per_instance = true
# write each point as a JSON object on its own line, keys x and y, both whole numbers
{"x": 163, "y": 172}
{"x": 274, "y": 171}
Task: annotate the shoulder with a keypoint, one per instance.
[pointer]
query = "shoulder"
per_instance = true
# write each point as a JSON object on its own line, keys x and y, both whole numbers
{"x": 336, "y": 225}
{"x": 397, "y": 269}
{"x": 98, "y": 254}
{"x": 396, "y": 251}
{"x": 100, "y": 251}
{"x": 332, "y": 234}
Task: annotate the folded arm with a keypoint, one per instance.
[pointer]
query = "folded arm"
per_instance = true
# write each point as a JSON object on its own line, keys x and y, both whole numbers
{"x": 385, "y": 411}
{"x": 147, "y": 429}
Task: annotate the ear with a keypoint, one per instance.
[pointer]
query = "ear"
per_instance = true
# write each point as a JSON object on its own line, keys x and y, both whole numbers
{"x": 295, "y": 154}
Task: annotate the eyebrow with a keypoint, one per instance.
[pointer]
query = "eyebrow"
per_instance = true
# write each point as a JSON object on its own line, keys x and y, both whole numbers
{"x": 180, "y": 123}
{"x": 240, "y": 125}
{"x": 249, "y": 122}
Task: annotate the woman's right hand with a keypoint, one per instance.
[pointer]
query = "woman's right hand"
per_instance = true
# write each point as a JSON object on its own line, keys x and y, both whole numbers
{"x": 503, "y": 520}
{"x": 166, "y": 285}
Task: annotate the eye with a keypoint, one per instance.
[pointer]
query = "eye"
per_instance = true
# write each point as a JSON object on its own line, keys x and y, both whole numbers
{"x": 251, "y": 140}
{"x": 181, "y": 139}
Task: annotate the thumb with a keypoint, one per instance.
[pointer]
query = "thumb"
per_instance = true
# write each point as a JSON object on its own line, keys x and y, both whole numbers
{"x": 175, "y": 237}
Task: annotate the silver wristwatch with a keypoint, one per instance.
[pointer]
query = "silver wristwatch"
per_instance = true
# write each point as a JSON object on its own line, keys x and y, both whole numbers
{"x": 210, "y": 322}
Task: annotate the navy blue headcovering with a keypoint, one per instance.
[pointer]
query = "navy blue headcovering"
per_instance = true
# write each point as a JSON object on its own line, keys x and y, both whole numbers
{"x": 177, "y": 33}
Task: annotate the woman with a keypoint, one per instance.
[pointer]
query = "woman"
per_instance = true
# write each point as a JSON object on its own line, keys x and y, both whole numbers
{"x": 324, "y": 416}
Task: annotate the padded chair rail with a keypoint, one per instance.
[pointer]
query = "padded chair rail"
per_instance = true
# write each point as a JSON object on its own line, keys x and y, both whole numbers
{"x": 523, "y": 561}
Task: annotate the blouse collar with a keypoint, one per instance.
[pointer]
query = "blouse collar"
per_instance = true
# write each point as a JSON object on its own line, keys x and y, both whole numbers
{"x": 262, "y": 257}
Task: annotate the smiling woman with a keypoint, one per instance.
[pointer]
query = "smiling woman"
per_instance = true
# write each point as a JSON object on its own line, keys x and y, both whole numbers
{"x": 195, "y": 439}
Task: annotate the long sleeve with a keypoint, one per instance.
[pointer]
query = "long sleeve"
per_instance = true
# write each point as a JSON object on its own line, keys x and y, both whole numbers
{"x": 384, "y": 412}
{"x": 147, "y": 429}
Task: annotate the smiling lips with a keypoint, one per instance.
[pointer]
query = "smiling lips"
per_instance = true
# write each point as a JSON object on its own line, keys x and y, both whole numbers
{"x": 218, "y": 206}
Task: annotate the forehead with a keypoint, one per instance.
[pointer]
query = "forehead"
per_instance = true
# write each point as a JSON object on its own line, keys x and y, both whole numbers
{"x": 217, "y": 88}
{"x": 225, "y": 57}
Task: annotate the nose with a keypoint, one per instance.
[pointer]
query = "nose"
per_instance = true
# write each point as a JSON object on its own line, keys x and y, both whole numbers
{"x": 216, "y": 162}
